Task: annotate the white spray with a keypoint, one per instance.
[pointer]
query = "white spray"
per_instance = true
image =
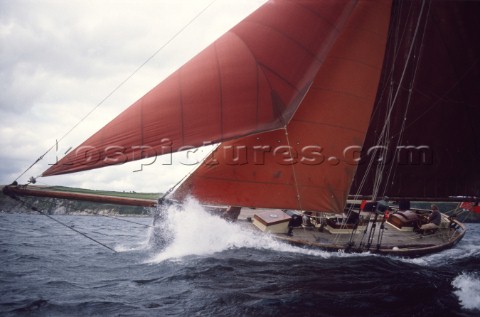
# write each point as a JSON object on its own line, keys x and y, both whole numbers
{"x": 196, "y": 232}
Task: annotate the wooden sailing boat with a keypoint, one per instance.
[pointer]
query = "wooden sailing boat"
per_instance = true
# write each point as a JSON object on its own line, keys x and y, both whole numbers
{"x": 314, "y": 101}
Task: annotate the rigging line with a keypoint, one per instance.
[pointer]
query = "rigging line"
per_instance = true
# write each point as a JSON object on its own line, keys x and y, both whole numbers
{"x": 171, "y": 189}
{"x": 402, "y": 78}
{"x": 381, "y": 232}
{"x": 467, "y": 215}
{"x": 383, "y": 140}
{"x": 367, "y": 223}
{"x": 73, "y": 229}
{"x": 371, "y": 161}
{"x": 137, "y": 223}
{"x": 382, "y": 147}
{"x": 380, "y": 140}
{"x": 38, "y": 160}
{"x": 445, "y": 94}
{"x": 343, "y": 224}
{"x": 121, "y": 84}
{"x": 364, "y": 178}
{"x": 58, "y": 221}
{"x": 410, "y": 94}
{"x": 451, "y": 218}
{"x": 398, "y": 39}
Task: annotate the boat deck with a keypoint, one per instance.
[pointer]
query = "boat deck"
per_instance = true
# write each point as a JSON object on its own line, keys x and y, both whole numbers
{"x": 393, "y": 241}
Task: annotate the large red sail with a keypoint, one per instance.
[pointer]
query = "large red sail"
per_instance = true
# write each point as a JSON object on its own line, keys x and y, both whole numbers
{"x": 310, "y": 163}
{"x": 250, "y": 80}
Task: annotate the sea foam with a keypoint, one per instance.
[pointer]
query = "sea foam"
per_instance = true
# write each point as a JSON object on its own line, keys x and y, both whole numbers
{"x": 197, "y": 232}
{"x": 467, "y": 289}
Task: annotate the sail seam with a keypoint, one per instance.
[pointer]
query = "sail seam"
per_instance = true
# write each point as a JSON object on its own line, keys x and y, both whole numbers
{"x": 263, "y": 66}
{"x": 313, "y": 55}
{"x": 333, "y": 24}
{"x": 182, "y": 115}
{"x": 258, "y": 72}
{"x": 220, "y": 87}
{"x": 257, "y": 114}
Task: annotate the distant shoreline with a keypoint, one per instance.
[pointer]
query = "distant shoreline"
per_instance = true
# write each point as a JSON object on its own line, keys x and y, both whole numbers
{"x": 59, "y": 206}
{"x": 63, "y": 206}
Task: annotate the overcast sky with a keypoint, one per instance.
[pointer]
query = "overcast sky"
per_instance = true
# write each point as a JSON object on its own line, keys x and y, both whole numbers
{"x": 59, "y": 59}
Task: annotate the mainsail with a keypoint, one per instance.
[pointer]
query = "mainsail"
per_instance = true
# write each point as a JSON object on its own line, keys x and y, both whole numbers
{"x": 314, "y": 100}
{"x": 304, "y": 165}
{"x": 252, "y": 79}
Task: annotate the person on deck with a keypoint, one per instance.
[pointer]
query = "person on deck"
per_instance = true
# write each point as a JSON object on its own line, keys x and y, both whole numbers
{"x": 434, "y": 220}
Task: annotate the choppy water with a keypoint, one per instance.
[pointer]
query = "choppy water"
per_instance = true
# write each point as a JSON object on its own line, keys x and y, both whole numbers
{"x": 213, "y": 268}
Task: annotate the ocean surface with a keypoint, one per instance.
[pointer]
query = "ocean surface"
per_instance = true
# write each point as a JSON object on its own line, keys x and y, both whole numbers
{"x": 213, "y": 268}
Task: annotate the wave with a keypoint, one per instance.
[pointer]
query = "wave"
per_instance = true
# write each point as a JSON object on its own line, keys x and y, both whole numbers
{"x": 467, "y": 289}
{"x": 141, "y": 240}
{"x": 136, "y": 246}
{"x": 194, "y": 231}
{"x": 189, "y": 230}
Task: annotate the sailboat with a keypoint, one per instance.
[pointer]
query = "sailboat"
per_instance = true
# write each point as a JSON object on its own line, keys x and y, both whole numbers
{"x": 318, "y": 106}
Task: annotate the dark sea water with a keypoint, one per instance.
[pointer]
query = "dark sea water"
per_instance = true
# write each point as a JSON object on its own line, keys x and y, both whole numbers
{"x": 213, "y": 268}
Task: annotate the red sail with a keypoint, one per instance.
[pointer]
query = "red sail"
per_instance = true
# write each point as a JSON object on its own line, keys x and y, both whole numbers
{"x": 250, "y": 80}
{"x": 312, "y": 166}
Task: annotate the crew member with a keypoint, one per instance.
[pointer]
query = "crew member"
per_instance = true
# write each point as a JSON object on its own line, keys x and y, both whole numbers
{"x": 434, "y": 220}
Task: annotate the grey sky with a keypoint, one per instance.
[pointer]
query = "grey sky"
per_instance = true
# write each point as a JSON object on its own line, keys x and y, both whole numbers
{"x": 58, "y": 59}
